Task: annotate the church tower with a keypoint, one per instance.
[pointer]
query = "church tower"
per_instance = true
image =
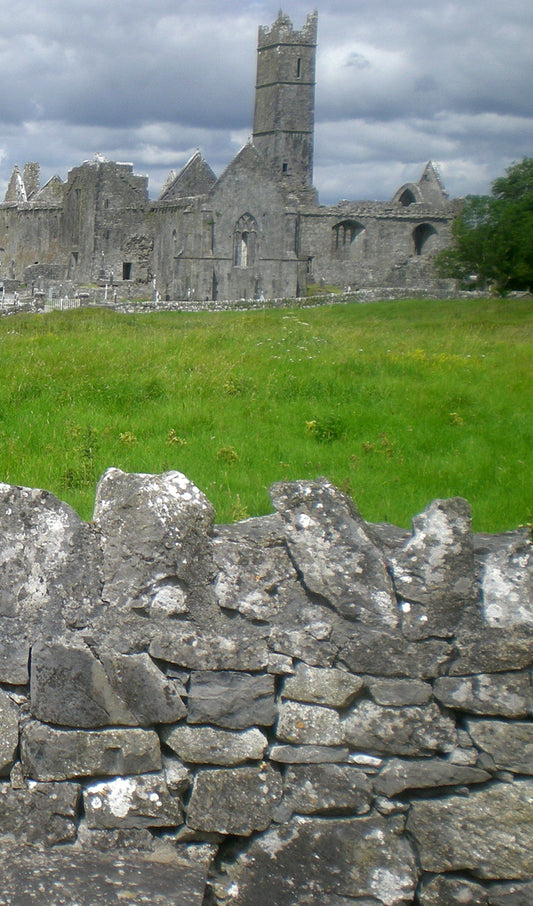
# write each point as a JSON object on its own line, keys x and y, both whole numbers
{"x": 285, "y": 99}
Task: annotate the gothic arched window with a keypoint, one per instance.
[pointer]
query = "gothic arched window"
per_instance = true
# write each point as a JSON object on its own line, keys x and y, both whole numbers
{"x": 422, "y": 238}
{"x": 345, "y": 233}
{"x": 245, "y": 241}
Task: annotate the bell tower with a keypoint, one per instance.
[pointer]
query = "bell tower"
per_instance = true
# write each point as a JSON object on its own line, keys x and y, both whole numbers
{"x": 285, "y": 99}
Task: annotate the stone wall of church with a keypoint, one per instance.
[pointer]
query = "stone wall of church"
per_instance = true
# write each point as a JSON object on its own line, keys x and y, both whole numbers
{"x": 299, "y": 708}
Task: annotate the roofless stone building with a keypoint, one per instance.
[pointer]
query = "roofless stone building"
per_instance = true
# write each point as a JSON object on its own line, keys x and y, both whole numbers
{"x": 256, "y": 231}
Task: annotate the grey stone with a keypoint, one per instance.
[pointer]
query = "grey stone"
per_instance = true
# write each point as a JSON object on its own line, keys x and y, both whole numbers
{"x": 69, "y": 686}
{"x": 178, "y": 777}
{"x": 44, "y": 583}
{"x": 254, "y": 572}
{"x": 445, "y": 891}
{"x": 155, "y": 530}
{"x": 510, "y": 745}
{"x": 507, "y": 584}
{"x": 308, "y": 754}
{"x": 210, "y": 745}
{"x": 40, "y": 813}
{"x": 320, "y": 518}
{"x": 511, "y": 894}
{"x": 488, "y": 833}
{"x": 48, "y": 753}
{"x": 200, "y": 649}
{"x": 65, "y": 875}
{"x": 234, "y": 800}
{"x": 435, "y": 569}
{"x": 9, "y": 732}
{"x": 398, "y": 775}
{"x": 308, "y": 725}
{"x": 14, "y": 661}
{"x": 378, "y": 653}
{"x": 304, "y": 645}
{"x": 150, "y": 695}
{"x": 501, "y": 694}
{"x": 400, "y": 692}
{"x": 322, "y": 686}
{"x": 412, "y": 730}
{"x": 311, "y": 860}
{"x": 489, "y": 649}
{"x": 140, "y": 801}
{"x": 319, "y": 789}
{"x": 231, "y": 700}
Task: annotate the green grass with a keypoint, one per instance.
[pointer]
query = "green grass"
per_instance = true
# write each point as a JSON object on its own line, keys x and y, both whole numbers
{"x": 397, "y": 403}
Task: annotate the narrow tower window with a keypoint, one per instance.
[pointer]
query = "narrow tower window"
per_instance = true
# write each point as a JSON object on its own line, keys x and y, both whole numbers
{"x": 299, "y": 68}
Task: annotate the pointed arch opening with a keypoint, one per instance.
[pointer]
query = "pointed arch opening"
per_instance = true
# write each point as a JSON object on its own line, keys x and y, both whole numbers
{"x": 423, "y": 238}
{"x": 344, "y": 235}
{"x": 245, "y": 241}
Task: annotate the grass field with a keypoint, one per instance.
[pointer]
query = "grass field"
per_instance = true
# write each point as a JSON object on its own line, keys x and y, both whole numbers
{"x": 396, "y": 402}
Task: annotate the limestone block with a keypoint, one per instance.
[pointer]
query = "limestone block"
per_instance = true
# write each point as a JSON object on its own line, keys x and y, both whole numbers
{"x": 231, "y": 700}
{"x": 511, "y": 894}
{"x": 154, "y": 530}
{"x": 445, "y": 891}
{"x": 308, "y": 754}
{"x": 234, "y": 800}
{"x": 336, "y": 688}
{"x": 178, "y": 777}
{"x": 398, "y": 692}
{"x": 398, "y": 775}
{"x": 68, "y": 875}
{"x": 41, "y": 813}
{"x": 50, "y": 563}
{"x": 319, "y": 789}
{"x": 150, "y": 695}
{"x": 389, "y": 654}
{"x": 210, "y": 745}
{"x": 488, "y": 833}
{"x": 413, "y": 730}
{"x": 317, "y": 861}
{"x": 69, "y": 687}
{"x": 501, "y": 694}
{"x": 510, "y": 745}
{"x": 200, "y": 649}
{"x": 321, "y": 519}
{"x": 255, "y": 572}
{"x": 14, "y": 660}
{"x": 435, "y": 568}
{"x": 489, "y": 649}
{"x": 310, "y": 644}
{"x": 507, "y": 584}
{"x": 9, "y": 732}
{"x": 308, "y": 725}
{"x": 48, "y": 753}
{"x": 139, "y": 801}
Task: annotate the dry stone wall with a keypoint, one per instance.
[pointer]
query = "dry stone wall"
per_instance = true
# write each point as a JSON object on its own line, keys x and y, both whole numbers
{"x": 299, "y": 708}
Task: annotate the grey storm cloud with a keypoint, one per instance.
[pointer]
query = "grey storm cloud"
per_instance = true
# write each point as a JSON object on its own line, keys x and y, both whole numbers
{"x": 149, "y": 82}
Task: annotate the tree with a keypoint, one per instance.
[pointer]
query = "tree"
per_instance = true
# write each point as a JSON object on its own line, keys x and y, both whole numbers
{"x": 493, "y": 234}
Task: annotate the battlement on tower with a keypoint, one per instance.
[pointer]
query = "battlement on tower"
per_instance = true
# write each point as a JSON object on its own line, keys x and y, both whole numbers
{"x": 282, "y": 31}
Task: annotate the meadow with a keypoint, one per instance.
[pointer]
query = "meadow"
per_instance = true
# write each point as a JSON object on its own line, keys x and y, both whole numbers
{"x": 396, "y": 402}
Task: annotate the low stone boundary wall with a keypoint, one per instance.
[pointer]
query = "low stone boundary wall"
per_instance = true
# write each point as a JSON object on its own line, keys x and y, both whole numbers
{"x": 298, "y": 708}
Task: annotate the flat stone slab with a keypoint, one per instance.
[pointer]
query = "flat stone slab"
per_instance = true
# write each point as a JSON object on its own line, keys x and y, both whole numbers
{"x": 31, "y": 877}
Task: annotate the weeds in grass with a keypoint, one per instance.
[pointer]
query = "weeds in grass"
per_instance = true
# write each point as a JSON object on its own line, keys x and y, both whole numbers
{"x": 398, "y": 403}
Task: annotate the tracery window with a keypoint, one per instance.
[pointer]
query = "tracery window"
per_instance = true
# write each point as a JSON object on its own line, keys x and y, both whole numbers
{"x": 345, "y": 233}
{"x": 245, "y": 241}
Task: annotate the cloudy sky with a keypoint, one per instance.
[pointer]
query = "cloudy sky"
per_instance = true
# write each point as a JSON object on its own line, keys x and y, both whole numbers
{"x": 399, "y": 82}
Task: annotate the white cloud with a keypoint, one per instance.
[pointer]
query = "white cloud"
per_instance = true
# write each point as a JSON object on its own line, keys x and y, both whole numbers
{"x": 150, "y": 83}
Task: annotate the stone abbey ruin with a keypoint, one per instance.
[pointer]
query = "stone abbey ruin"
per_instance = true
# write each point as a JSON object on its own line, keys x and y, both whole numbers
{"x": 255, "y": 232}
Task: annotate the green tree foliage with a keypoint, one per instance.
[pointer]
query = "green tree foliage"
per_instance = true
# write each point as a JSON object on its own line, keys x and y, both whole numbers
{"x": 493, "y": 234}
